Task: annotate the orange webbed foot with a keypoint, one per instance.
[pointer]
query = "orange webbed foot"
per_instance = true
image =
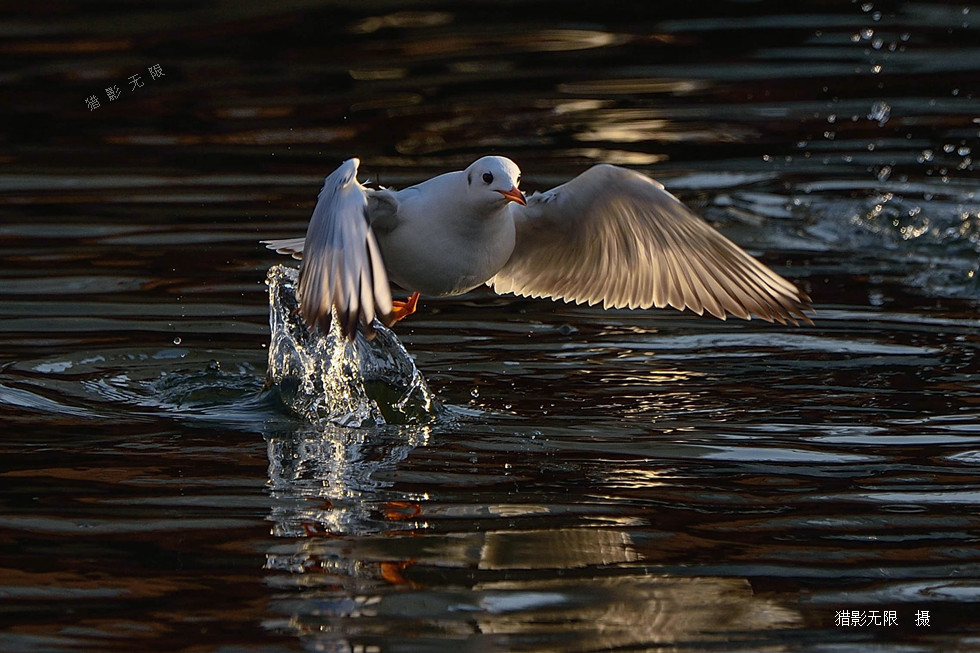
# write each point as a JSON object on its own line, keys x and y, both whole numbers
{"x": 401, "y": 310}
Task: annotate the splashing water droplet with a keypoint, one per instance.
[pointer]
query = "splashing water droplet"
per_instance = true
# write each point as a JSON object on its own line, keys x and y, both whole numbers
{"x": 329, "y": 380}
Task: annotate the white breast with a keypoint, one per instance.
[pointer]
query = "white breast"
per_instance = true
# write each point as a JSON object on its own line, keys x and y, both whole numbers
{"x": 439, "y": 246}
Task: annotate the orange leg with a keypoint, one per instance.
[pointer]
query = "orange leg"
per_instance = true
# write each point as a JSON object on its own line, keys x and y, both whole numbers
{"x": 401, "y": 310}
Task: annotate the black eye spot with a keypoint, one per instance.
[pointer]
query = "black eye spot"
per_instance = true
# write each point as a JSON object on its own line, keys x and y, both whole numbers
{"x": 518, "y": 180}
{"x": 487, "y": 177}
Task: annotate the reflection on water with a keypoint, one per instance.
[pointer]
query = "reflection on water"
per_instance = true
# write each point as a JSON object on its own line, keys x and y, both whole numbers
{"x": 323, "y": 481}
{"x": 604, "y": 479}
{"x": 325, "y": 491}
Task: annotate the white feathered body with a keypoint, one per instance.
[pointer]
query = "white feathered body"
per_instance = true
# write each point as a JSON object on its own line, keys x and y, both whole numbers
{"x": 424, "y": 252}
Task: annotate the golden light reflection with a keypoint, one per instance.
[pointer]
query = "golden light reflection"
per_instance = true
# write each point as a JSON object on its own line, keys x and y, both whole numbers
{"x": 633, "y": 86}
{"x": 638, "y": 131}
{"x": 518, "y": 510}
{"x": 618, "y": 157}
{"x": 638, "y": 478}
{"x": 402, "y": 20}
{"x": 630, "y": 612}
{"x": 559, "y": 40}
{"x": 560, "y": 548}
{"x": 576, "y": 106}
{"x": 549, "y": 40}
{"x": 587, "y": 610}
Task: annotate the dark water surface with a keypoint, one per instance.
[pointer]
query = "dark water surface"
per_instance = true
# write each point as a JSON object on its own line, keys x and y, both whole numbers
{"x": 614, "y": 480}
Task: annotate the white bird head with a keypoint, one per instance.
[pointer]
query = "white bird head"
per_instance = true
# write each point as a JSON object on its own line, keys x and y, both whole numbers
{"x": 494, "y": 180}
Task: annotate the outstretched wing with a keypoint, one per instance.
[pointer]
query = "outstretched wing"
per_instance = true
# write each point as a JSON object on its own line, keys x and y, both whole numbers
{"x": 617, "y": 237}
{"x": 342, "y": 266}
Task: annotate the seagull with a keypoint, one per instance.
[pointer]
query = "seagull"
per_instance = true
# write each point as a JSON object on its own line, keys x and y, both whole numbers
{"x": 610, "y": 235}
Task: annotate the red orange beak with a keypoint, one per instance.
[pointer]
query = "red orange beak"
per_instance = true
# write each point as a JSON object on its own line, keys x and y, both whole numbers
{"x": 514, "y": 195}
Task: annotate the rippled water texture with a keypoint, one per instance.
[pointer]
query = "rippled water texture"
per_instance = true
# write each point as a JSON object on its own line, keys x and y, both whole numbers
{"x": 571, "y": 479}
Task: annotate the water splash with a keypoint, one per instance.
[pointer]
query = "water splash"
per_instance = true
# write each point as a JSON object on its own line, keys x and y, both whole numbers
{"x": 327, "y": 379}
{"x": 935, "y": 225}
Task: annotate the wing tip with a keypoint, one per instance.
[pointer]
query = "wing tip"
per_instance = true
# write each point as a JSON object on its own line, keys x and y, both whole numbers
{"x": 285, "y": 246}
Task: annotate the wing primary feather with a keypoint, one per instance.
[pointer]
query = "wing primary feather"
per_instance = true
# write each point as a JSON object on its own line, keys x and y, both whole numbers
{"x": 724, "y": 294}
{"x": 765, "y": 297}
{"x": 615, "y": 236}
{"x": 742, "y": 291}
{"x": 342, "y": 267}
